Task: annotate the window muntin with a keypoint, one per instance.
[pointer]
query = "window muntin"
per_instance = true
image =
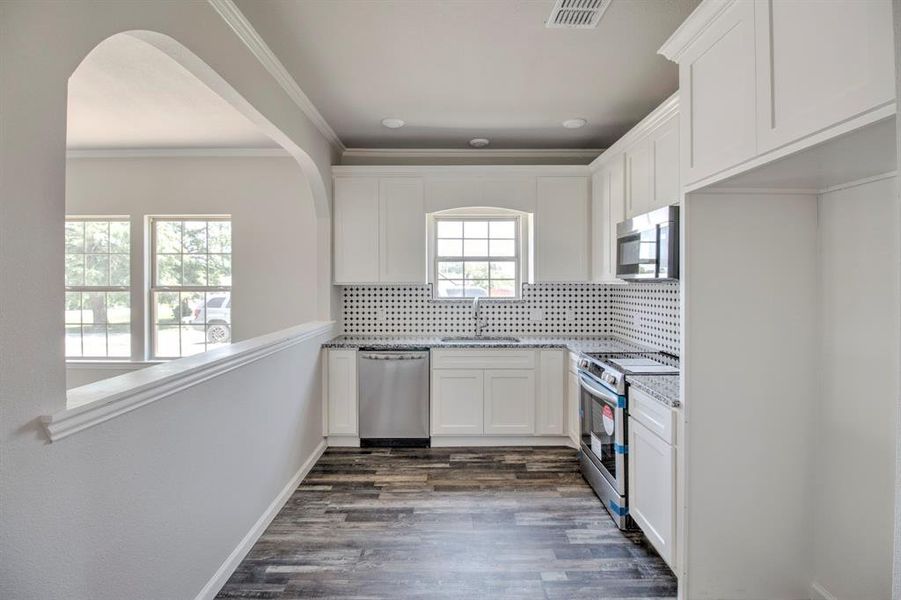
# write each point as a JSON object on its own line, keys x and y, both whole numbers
{"x": 98, "y": 292}
{"x": 476, "y": 256}
{"x": 190, "y": 293}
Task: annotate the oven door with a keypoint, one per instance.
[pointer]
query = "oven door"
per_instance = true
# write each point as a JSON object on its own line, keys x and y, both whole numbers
{"x": 637, "y": 254}
{"x": 604, "y": 431}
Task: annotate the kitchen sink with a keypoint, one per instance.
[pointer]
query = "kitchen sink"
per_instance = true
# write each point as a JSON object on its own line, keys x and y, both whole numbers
{"x": 480, "y": 340}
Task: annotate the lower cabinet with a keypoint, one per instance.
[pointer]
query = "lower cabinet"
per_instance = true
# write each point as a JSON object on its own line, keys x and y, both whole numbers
{"x": 457, "y": 401}
{"x": 652, "y": 467}
{"x": 573, "y": 406}
{"x": 509, "y": 401}
{"x": 342, "y": 392}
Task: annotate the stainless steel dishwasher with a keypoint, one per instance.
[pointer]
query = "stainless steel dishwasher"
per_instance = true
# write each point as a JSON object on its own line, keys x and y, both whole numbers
{"x": 394, "y": 397}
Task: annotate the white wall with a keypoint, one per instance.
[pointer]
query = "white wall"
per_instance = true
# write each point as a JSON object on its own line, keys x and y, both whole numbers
{"x": 274, "y": 258}
{"x": 853, "y": 493}
{"x": 749, "y": 358}
{"x": 147, "y": 505}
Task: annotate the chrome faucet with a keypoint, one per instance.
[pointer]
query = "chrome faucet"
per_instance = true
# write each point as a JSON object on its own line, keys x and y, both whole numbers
{"x": 480, "y": 324}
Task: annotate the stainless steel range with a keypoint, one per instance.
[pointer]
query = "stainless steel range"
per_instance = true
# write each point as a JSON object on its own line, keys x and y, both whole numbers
{"x": 604, "y": 415}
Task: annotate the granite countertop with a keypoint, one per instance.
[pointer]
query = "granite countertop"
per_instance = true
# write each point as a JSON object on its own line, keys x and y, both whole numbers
{"x": 660, "y": 387}
{"x": 400, "y": 342}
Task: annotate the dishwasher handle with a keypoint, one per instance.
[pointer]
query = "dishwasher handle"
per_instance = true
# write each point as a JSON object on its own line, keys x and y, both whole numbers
{"x": 398, "y": 356}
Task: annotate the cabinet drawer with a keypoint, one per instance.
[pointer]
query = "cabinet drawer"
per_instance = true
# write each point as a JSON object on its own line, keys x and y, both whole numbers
{"x": 658, "y": 418}
{"x": 483, "y": 359}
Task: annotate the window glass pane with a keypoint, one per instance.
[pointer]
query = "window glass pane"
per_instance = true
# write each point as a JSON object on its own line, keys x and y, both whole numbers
{"x": 75, "y": 269}
{"x": 503, "y": 288}
{"x": 220, "y": 269}
{"x": 194, "y": 269}
{"x": 220, "y": 236}
{"x": 450, "y": 289}
{"x": 450, "y": 270}
{"x": 73, "y": 307}
{"x": 478, "y": 287}
{"x": 73, "y": 341}
{"x": 450, "y": 247}
{"x": 119, "y": 237}
{"x": 96, "y": 269}
{"x": 74, "y": 237}
{"x": 96, "y": 234}
{"x": 118, "y": 307}
{"x": 94, "y": 340}
{"x": 93, "y": 308}
{"x": 166, "y": 308}
{"x": 450, "y": 229}
{"x": 475, "y": 270}
{"x": 502, "y": 229}
{"x": 119, "y": 269}
{"x": 168, "y": 269}
{"x": 193, "y": 339}
{"x": 119, "y": 341}
{"x": 168, "y": 237}
{"x": 475, "y": 229}
{"x": 503, "y": 270}
{"x": 475, "y": 247}
{"x": 502, "y": 248}
{"x": 194, "y": 240}
{"x": 166, "y": 341}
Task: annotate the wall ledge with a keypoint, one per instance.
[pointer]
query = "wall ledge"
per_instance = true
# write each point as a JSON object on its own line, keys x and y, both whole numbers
{"x": 98, "y": 402}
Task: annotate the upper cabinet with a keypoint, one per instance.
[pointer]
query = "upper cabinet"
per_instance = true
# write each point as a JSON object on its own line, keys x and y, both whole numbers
{"x": 608, "y": 208}
{"x": 379, "y": 226}
{"x": 561, "y": 229}
{"x": 760, "y": 77}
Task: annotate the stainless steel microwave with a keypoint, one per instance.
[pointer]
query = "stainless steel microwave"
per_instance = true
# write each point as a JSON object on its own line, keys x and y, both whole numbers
{"x": 647, "y": 246}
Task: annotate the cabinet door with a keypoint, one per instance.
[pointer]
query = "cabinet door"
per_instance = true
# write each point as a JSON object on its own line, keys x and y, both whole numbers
{"x": 551, "y": 413}
{"x": 457, "y": 402}
{"x": 561, "y": 229}
{"x": 402, "y": 255}
{"x": 651, "y": 488}
{"x": 820, "y": 62}
{"x": 717, "y": 85}
{"x": 356, "y": 218}
{"x": 573, "y": 396}
{"x": 665, "y": 156}
{"x": 510, "y": 401}
{"x": 608, "y": 210}
{"x": 342, "y": 392}
{"x": 638, "y": 178}
{"x": 600, "y": 213}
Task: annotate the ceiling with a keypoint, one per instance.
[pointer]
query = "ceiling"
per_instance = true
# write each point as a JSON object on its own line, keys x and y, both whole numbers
{"x": 126, "y": 94}
{"x": 458, "y": 69}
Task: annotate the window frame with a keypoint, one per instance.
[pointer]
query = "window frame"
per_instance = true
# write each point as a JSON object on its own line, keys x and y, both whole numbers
{"x": 153, "y": 287}
{"x": 519, "y": 259}
{"x": 106, "y": 289}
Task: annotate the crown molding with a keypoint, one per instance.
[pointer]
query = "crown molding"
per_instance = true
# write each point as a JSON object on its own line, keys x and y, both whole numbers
{"x": 667, "y": 109}
{"x": 177, "y": 153}
{"x": 692, "y": 27}
{"x": 235, "y": 19}
{"x": 470, "y": 170}
{"x": 470, "y": 153}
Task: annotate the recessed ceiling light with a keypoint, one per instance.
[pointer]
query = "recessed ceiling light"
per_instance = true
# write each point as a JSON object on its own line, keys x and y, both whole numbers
{"x": 478, "y": 142}
{"x": 574, "y": 123}
{"x": 392, "y": 123}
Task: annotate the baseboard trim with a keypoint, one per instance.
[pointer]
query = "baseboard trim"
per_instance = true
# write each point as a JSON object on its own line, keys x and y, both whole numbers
{"x": 454, "y": 441}
{"x": 343, "y": 441}
{"x": 231, "y": 563}
{"x": 818, "y": 592}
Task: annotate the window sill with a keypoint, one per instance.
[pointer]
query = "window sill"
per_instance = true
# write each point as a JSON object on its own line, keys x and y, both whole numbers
{"x": 131, "y": 365}
{"x": 101, "y": 401}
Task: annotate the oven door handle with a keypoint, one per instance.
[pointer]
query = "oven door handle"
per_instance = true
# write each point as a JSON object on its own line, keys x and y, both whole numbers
{"x": 591, "y": 387}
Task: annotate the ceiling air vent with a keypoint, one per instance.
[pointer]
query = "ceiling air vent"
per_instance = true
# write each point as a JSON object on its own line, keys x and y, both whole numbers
{"x": 577, "y": 14}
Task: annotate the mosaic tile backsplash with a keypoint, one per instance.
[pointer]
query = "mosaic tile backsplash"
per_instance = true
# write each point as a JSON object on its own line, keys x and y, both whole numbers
{"x": 646, "y": 313}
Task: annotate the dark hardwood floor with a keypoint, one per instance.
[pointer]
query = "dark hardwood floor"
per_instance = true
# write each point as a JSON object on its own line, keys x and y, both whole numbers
{"x": 443, "y": 523}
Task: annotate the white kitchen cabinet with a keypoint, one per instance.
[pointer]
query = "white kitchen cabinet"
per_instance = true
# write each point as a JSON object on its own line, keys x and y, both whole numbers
{"x": 820, "y": 62}
{"x": 664, "y": 150}
{"x": 607, "y": 210}
{"x": 402, "y": 254}
{"x": 356, "y": 227}
{"x": 561, "y": 229}
{"x": 573, "y": 405}
{"x": 717, "y": 81}
{"x": 550, "y": 415}
{"x": 458, "y": 401}
{"x": 652, "y": 464}
{"x": 342, "y": 392}
{"x": 638, "y": 178}
{"x": 509, "y": 401}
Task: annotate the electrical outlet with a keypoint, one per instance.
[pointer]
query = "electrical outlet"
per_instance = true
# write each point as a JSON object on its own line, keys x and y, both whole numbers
{"x": 381, "y": 315}
{"x": 569, "y": 315}
{"x": 636, "y": 320}
{"x": 536, "y": 314}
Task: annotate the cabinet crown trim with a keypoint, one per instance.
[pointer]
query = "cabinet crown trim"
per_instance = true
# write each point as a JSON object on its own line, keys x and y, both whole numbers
{"x": 695, "y": 25}
{"x": 667, "y": 109}
{"x": 471, "y": 170}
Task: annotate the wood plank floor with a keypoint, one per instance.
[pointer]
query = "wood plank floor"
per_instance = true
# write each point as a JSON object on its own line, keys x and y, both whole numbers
{"x": 443, "y": 523}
